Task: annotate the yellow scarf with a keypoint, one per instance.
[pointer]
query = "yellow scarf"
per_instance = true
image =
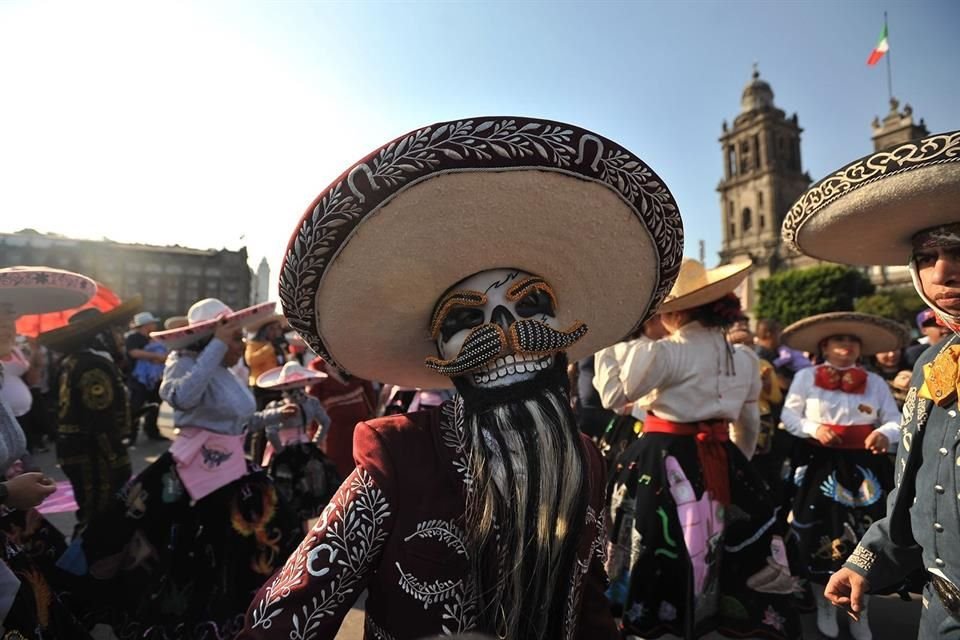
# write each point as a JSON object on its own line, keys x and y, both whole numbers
{"x": 941, "y": 378}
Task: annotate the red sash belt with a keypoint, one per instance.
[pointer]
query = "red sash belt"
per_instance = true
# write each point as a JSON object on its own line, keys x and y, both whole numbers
{"x": 851, "y": 435}
{"x": 711, "y": 452}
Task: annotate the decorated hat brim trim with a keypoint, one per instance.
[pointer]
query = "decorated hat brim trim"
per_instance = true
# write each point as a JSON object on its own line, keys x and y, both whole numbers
{"x": 185, "y": 336}
{"x": 882, "y": 200}
{"x": 34, "y": 290}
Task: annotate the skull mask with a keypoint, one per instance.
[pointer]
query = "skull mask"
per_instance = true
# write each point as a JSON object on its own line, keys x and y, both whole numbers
{"x": 498, "y": 328}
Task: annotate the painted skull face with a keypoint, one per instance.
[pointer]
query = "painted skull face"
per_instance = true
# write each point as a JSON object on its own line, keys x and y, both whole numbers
{"x": 498, "y": 327}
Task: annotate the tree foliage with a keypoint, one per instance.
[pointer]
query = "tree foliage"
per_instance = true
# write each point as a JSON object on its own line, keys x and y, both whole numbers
{"x": 793, "y": 295}
{"x": 901, "y": 303}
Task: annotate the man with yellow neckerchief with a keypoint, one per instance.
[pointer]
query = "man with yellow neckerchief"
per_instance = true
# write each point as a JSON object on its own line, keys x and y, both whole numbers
{"x": 902, "y": 205}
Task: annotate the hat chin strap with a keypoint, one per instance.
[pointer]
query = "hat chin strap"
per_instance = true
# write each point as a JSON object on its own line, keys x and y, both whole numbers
{"x": 952, "y": 322}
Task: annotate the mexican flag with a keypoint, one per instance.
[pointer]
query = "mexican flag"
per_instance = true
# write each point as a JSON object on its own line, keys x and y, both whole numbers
{"x": 882, "y": 47}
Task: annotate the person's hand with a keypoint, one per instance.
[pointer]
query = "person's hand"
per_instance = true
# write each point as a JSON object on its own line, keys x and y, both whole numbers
{"x": 846, "y": 589}
{"x": 28, "y": 490}
{"x": 876, "y": 443}
{"x": 902, "y": 381}
{"x": 159, "y": 358}
{"x": 225, "y": 331}
{"x": 826, "y": 436}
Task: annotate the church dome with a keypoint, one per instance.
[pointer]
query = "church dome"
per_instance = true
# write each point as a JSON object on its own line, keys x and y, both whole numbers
{"x": 756, "y": 95}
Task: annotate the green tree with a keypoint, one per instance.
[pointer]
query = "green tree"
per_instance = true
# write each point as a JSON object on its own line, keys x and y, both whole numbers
{"x": 900, "y": 303}
{"x": 793, "y": 295}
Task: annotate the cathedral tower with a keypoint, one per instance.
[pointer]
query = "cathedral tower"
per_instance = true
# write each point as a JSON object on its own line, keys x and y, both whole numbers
{"x": 762, "y": 178}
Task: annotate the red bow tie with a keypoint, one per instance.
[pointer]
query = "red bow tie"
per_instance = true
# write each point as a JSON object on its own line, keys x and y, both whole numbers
{"x": 852, "y": 380}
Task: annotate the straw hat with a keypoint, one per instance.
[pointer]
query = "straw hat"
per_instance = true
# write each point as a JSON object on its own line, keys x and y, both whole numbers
{"x": 697, "y": 285}
{"x": 202, "y": 319}
{"x": 876, "y": 334}
{"x": 289, "y": 376}
{"x": 87, "y": 323}
{"x": 377, "y": 248}
{"x": 254, "y": 327}
{"x": 881, "y": 200}
{"x": 142, "y": 318}
{"x": 29, "y": 290}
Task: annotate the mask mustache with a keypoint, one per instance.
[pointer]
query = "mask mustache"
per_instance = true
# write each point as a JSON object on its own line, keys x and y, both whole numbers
{"x": 527, "y": 337}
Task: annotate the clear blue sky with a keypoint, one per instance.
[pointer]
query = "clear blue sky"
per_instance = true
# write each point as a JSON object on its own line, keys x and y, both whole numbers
{"x": 217, "y": 123}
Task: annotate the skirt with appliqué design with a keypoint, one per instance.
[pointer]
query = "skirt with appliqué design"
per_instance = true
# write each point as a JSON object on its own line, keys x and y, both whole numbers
{"x": 158, "y": 566}
{"x": 29, "y": 548}
{"x": 682, "y": 563}
{"x": 305, "y": 478}
{"x": 839, "y": 494}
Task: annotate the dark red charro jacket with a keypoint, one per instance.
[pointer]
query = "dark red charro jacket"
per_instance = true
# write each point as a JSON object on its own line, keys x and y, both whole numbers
{"x": 395, "y": 529}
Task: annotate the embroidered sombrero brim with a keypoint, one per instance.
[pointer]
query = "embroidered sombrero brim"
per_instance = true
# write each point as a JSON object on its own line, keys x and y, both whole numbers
{"x": 30, "y": 290}
{"x": 75, "y": 333}
{"x": 185, "y": 336}
{"x": 380, "y": 245}
{"x": 876, "y": 334}
{"x": 867, "y": 212}
{"x": 273, "y": 379}
{"x": 717, "y": 283}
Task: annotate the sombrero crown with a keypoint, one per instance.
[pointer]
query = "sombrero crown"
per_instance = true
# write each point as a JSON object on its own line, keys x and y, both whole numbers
{"x": 876, "y": 334}
{"x": 378, "y": 247}
{"x": 882, "y": 200}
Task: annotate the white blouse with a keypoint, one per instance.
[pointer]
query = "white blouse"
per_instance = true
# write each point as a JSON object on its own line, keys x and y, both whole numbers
{"x": 808, "y": 406}
{"x": 689, "y": 376}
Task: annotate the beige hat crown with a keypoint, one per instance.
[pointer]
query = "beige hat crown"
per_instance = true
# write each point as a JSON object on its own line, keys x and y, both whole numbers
{"x": 696, "y": 285}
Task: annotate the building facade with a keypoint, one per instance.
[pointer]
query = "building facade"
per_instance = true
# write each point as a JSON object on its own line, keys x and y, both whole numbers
{"x": 170, "y": 279}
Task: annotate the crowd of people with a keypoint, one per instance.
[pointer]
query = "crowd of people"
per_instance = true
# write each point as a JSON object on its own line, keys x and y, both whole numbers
{"x": 528, "y": 418}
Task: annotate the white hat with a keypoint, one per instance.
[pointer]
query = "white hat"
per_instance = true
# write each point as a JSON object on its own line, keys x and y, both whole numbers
{"x": 202, "y": 321}
{"x": 142, "y": 318}
{"x": 290, "y": 375}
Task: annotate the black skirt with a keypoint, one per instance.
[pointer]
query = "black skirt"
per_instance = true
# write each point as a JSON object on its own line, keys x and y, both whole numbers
{"x": 683, "y": 564}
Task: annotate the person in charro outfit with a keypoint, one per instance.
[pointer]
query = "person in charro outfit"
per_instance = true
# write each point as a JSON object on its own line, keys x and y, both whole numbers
{"x": 692, "y": 548}
{"x": 904, "y": 204}
{"x": 846, "y": 420}
{"x": 480, "y": 240}
{"x": 304, "y": 477}
{"x": 94, "y": 413}
{"x": 180, "y": 553}
{"x": 32, "y": 589}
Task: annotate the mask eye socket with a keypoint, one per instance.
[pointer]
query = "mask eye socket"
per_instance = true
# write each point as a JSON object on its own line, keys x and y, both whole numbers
{"x": 535, "y": 303}
{"x": 459, "y": 319}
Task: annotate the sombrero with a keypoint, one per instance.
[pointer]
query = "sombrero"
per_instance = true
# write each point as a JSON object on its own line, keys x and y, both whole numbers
{"x": 254, "y": 327}
{"x": 29, "y": 290}
{"x": 881, "y": 200}
{"x": 88, "y": 322}
{"x": 289, "y": 376}
{"x": 876, "y": 334}
{"x": 696, "y": 285}
{"x": 202, "y": 320}
{"x": 378, "y": 247}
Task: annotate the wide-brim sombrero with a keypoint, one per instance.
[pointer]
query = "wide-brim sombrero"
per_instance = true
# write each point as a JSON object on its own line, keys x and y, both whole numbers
{"x": 255, "y": 326}
{"x": 877, "y": 335}
{"x": 289, "y": 376}
{"x": 867, "y": 212}
{"x": 697, "y": 285}
{"x": 30, "y": 290}
{"x": 378, "y": 247}
{"x": 76, "y": 333}
{"x": 185, "y": 336}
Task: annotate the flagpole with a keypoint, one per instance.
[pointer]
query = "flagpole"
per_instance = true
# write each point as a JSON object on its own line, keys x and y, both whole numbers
{"x": 889, "y": 74}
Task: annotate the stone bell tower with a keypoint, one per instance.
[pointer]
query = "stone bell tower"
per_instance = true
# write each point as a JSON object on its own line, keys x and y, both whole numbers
{"x": 762, "y": 177}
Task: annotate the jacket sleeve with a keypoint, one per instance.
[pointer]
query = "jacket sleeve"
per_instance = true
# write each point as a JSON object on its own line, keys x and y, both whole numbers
{"x": 336, "y": 560}
{"x": 606, "y": 375}
{"x": 794, "y": 410}
{"x": 185, "y": 379}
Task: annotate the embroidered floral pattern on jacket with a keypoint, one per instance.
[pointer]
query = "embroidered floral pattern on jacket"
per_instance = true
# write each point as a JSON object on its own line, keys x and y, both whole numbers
{"x": 348, "y": 537}
{"x": 454, "y": 436}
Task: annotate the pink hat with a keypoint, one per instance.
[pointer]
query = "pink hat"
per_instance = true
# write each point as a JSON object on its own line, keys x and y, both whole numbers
{"x": 29, "y": 290}
{"x": 289, "y": 376}
{"x": 202, "y": 319}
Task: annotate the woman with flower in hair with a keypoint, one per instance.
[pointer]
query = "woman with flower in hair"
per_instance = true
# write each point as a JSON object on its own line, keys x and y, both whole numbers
{"x": 684, "y": 495}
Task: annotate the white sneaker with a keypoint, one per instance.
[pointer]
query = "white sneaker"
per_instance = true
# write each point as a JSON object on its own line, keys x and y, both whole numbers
{"x": 826, "y": 615}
